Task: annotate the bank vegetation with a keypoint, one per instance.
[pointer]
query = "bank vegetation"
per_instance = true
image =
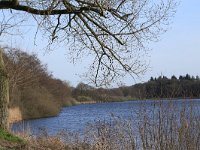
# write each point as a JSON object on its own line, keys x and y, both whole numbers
{"x": 36, "y": 93}
{"x": 163, "y": 127}
{"x": 32, "y": 87}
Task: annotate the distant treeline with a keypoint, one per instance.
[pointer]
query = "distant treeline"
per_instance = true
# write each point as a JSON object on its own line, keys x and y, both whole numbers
{"x": 32, "y": 88}
{"x": 162, "y": 87}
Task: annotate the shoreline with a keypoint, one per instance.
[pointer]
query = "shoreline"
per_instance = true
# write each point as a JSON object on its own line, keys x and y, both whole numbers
{"x": 13, "y": 118}
{"x": 12, "y": 121}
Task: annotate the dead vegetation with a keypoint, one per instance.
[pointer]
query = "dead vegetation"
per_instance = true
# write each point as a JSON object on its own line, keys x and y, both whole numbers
{"x": 165, "y": 127}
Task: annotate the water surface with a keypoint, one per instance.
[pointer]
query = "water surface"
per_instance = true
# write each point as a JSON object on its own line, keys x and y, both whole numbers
{"x": 76, "y": 118}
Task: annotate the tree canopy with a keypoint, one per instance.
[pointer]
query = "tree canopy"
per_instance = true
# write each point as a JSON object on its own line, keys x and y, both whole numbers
{"x": 114, "y": 32}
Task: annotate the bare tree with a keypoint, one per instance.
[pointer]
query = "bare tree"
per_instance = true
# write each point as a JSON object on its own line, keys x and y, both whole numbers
{"x": 114, "y": 32}
{"x": 23, "y": 69}
{"x": 17, "y": 70}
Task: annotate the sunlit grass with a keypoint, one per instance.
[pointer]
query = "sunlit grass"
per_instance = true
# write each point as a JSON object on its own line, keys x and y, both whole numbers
{"x": 9, "y": 137}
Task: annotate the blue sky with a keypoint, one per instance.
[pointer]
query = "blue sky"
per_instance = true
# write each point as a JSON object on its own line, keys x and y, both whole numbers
{"x": 179, "y": 49}
{"x": 177, "y": 53}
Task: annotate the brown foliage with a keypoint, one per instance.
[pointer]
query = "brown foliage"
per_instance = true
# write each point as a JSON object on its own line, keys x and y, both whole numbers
{"x": 32, "y": 88}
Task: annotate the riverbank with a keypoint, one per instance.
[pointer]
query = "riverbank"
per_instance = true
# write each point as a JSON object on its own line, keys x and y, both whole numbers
{"x": 15, "y": 113}
{"x": 166, "y": 128}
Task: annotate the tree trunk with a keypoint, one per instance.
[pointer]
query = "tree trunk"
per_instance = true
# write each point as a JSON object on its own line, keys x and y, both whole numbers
{"x": 4, "y": 95}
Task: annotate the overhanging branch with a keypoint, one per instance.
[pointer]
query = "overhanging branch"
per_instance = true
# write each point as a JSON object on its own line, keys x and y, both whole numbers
{"x": 28, "y": 9}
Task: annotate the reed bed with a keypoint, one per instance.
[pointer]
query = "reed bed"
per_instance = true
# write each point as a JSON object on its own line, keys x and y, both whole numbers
{"x": 164, "y": 127}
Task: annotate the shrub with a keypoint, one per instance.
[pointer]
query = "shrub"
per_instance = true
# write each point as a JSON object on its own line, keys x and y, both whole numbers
{"x": 38, "y": 102}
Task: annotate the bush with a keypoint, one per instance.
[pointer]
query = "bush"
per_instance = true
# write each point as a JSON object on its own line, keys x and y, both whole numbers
{"x": 84, "y": 98}
{"x": 69, "y": 102}
{"x": 38, "y": 102}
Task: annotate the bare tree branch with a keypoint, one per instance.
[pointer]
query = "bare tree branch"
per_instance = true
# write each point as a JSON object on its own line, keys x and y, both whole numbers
{"x": 114, "y": 32}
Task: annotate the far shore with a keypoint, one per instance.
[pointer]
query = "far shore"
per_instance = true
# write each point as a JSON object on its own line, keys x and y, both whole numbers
{"x": 18, "y": 117}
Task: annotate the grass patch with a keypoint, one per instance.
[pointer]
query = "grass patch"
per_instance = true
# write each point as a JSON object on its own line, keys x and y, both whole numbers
{"x": 9, "y": 137}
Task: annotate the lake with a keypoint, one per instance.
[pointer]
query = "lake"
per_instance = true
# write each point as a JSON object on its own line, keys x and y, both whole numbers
{"x": 76, "y": 118}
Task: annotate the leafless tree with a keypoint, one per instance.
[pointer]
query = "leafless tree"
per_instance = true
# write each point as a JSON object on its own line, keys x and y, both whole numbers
{"x": 23, "y": 69}
{"x": 114, "y": 32}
